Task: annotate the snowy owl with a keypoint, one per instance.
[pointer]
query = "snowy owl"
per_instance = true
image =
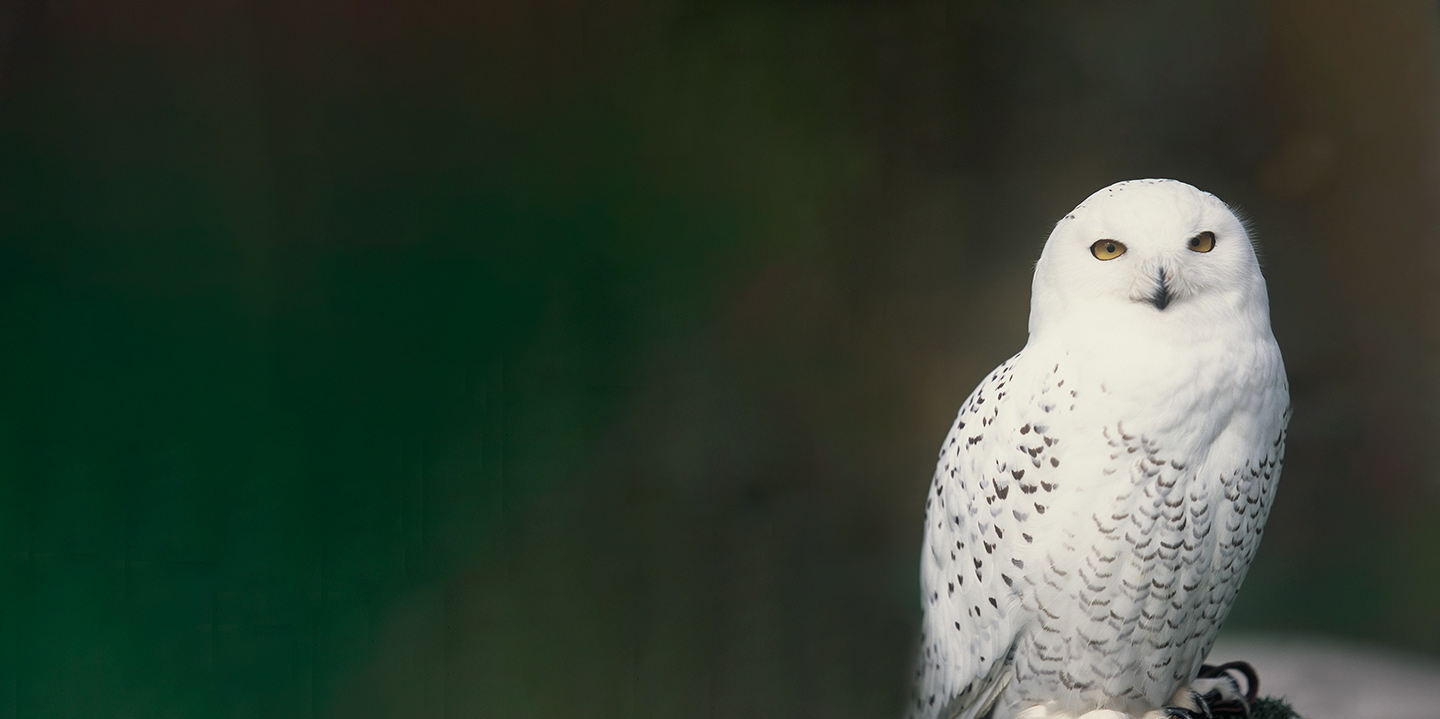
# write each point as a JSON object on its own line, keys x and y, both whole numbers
{"x": 1101, "y": 494}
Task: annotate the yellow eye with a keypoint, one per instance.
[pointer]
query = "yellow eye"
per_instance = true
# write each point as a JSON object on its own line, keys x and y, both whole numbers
{"x": 1203, "y": 242}
{"x": 1107, "y": 249}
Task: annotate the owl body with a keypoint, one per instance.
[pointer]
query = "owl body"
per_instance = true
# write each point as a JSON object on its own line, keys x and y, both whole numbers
{"x": 1100, "y": 495}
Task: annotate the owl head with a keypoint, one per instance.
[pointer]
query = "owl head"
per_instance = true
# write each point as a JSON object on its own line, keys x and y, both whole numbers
{"x": 1148, "y": 251}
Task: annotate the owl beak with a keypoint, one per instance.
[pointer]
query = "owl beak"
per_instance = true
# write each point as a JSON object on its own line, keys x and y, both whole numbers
{"x": 1161, "y": 298}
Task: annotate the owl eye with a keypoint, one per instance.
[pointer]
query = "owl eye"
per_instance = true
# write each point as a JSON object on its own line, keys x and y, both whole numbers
{"x": 1107, "y": 249}
{"x": 1203, "y": 242}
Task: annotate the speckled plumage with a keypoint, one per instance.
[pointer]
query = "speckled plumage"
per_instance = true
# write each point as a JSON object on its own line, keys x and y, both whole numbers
{"x": 1101, "y": 494}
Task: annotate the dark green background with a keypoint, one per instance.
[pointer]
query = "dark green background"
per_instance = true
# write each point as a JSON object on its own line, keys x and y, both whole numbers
{"x": 579, "y": 359}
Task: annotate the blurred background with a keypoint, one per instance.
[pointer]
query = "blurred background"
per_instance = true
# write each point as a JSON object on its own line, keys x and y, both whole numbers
{"x": 562, "y": 358}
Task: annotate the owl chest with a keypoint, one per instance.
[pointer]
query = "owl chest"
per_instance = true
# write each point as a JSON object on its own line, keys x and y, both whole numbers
{"x": 1130, "y": 581}
{"x": 1120, "y": 600}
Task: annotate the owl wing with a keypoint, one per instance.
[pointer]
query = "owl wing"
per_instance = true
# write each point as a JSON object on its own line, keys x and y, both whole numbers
{"x": 984, "y": 491}
{"x": 1249, "y": 492}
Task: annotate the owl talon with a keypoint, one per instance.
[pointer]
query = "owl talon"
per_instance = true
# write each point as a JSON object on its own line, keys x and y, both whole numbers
{"x": 1187, "y": 704}
{"x": 1224, "y": 698}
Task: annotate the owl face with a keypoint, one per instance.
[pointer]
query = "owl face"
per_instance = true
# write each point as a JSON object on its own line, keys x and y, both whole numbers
{"x": 1147, "y": 248}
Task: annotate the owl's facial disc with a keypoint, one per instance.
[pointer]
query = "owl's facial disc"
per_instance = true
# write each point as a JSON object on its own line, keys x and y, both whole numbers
{"x": 1157, "y": 247}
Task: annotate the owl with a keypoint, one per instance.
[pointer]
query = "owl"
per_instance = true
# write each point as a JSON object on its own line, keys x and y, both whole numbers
{"x": 1100, "y": 495}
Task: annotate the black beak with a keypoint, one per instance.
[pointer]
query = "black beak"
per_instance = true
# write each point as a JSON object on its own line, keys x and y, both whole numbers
{"x": 1161, "y": 298}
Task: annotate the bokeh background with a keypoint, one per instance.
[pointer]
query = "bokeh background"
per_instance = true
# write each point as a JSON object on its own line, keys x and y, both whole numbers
{"x": 589, "y": 359}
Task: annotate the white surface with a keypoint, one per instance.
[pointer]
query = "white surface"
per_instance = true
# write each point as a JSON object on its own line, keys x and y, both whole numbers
{"x": 1330, "y": 679}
